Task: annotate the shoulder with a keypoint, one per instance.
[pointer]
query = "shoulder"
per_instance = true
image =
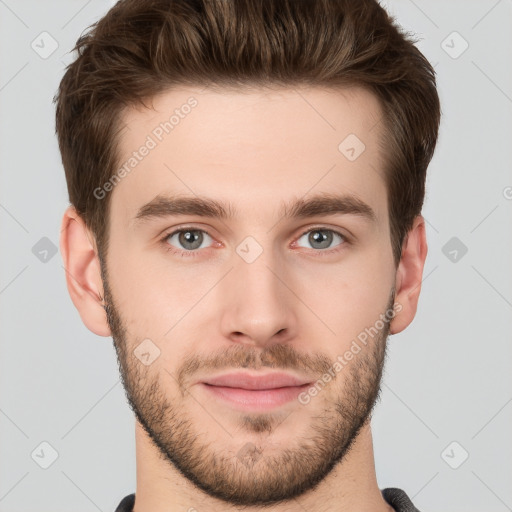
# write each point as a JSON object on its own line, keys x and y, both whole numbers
{"x": 126, "y": 504}
{"x": 398, "y": 499}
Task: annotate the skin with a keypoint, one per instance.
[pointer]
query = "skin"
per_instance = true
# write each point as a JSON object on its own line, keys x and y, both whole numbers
{"x": 296, "y": 307}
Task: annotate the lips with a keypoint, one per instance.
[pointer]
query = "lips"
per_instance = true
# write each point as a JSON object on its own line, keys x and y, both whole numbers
{"x": 256, "y": 382}
{"x": 253, "y": 392}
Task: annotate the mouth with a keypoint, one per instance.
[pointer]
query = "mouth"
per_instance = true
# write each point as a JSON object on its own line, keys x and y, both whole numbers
{"x": 255, "y": 392}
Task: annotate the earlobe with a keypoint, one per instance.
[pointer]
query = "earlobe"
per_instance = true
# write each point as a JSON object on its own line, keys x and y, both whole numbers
{"x": 409, "y": 276}
{"x": 83, "y": 272}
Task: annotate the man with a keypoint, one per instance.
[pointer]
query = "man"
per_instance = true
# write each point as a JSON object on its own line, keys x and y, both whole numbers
{"x": 246, "y": 180}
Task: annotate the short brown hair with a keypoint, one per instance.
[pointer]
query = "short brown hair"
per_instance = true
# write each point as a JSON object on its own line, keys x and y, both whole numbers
{"x": 141, "y": 48}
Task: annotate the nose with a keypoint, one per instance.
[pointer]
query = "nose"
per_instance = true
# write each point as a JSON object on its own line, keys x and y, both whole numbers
{"x": 259, "y": 307}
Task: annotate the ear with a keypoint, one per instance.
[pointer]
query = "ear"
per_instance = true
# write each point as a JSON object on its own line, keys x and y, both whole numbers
{"x": 409, "y": 276}
{"x": 83, "y": 272}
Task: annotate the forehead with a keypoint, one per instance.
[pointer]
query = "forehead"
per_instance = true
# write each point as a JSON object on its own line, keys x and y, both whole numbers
{"x": 254, "y": 146}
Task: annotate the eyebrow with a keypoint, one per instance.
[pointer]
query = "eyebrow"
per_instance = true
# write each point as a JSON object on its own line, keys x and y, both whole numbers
{"x": 321, "y": 204}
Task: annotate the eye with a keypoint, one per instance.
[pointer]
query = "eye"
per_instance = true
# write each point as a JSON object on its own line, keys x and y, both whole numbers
{"x": 186, "y": 240}
{"x": 322, "y": 238}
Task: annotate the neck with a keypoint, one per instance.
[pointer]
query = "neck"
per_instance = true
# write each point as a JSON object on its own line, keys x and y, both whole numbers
{"x": 351, "y": 485}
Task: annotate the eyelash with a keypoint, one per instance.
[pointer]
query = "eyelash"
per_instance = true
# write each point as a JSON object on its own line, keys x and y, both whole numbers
{"x": 194, "y": 253}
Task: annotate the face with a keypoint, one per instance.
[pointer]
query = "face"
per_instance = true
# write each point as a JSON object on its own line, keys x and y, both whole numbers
{"x": 295, "y": 277}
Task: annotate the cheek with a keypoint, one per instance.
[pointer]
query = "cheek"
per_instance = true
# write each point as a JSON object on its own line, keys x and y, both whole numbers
{"x": 348, "y": 296}
{"x": 155, "y": 295}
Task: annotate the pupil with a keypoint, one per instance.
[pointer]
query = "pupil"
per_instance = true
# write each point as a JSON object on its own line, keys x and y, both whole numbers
{"x": 189, "y": 238}
{"x": 321, "y": 237}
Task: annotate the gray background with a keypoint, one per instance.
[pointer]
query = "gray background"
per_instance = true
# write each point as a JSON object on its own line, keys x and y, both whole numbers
{"x": 448, "y": 377}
